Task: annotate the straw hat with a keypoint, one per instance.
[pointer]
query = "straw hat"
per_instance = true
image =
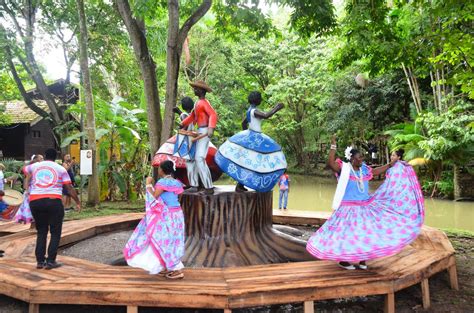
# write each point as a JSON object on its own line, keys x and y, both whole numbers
{"x": 2, "y": 167}
{"x": 201, "y": 84}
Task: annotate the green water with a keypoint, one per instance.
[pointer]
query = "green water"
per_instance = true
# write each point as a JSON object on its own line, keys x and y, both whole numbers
{"x": 315, "y": 194}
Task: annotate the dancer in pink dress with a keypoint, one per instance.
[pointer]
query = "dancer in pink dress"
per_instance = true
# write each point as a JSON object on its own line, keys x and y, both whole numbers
{"x": 364, "y": 226}
{"x": 24, "y": 216}
{"x": 157, "y": 244}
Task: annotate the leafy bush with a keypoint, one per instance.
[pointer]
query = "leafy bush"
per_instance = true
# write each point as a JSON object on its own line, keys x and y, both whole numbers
{"x": 444, "y": 187}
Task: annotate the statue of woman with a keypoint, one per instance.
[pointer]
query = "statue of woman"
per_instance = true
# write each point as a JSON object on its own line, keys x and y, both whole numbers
{"x": 250, "y": 157}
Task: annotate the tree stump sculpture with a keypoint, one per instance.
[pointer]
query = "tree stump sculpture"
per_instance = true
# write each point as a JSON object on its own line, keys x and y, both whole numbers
{"x": 235, "y": 229}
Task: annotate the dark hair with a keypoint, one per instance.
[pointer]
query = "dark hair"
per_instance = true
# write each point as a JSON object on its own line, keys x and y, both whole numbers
{"x": 255, "y": 98}
{"x": 2, "y": 193}
{"x": 167, "y": 167}
{"x": 400, "y": 153}
{"x": 354, "y": 152}
{"x": 187, "y": 104}
{"x": 50, "y": 154}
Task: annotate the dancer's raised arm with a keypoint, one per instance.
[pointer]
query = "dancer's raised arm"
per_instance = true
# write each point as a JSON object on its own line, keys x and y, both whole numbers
{"x": 382, "y": 169}
{"x": 265, "y": 115}
{"x": 332, "y": 156}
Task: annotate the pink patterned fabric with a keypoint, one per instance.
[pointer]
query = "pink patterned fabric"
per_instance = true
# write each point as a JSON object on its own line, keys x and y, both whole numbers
{"x": 24, "y": 212}
{"x": 162, "y": 229}
{"x": 373, "y": 228}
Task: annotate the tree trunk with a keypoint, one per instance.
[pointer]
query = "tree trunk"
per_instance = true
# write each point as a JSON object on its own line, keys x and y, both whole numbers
{"x": 463, "y": 182}
{"x": 235, "y": 229}
{"x": 173, "y": 56}
{"x": 413, "y": 85}
{"x": 56, "y": 113}
{"x": 93, "y": 188}
{"x": 176, "y": 39}
{"x": 136, "y": 31}
{"x": 433, "y": 89}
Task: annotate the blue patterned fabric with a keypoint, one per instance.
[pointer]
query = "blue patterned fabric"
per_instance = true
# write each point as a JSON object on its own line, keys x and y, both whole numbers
{"x": 183, "y": 147}
{"x": 380, "y": 226}
{"x": 257, "y": 181}
{"x": 253, "y": 159}
{"x": 248, "y": 116}
{"x": 352, "y": 191}
{"x": 172, "y": 188}
{"x": 255, "y": 141}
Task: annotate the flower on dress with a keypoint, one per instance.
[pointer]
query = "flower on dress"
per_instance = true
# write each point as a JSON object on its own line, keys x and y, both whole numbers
{"x": 232, "y": 168}
{"x": 347, "y": 153}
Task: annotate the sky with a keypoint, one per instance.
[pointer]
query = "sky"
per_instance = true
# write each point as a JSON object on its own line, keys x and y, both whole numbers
{"x": 51, "y": 56}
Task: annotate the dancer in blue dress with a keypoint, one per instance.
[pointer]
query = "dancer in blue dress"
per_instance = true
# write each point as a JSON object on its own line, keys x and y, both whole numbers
{"x": 367, "y": 226}
{"x": 251, "y": 158}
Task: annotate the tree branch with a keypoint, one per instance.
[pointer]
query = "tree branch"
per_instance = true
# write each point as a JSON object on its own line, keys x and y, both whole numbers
{"x": 134, "y": 26}
{"x": 20, "y": 85}
{"x": 13, "y": 17}
{"x": 192, "y": 20}
{"x": 25, "y": 66}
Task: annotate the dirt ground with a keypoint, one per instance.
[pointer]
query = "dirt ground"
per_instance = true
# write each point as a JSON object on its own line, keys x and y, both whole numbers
{"x": 443, "y": 299}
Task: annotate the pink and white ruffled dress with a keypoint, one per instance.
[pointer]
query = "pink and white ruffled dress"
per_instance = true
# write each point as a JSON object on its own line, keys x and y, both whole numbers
{"x": 365, "y": 227}
{"x": 158, "y": 241}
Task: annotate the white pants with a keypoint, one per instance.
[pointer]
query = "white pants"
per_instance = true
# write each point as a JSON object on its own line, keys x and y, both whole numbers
{"x": 198, "y": 168}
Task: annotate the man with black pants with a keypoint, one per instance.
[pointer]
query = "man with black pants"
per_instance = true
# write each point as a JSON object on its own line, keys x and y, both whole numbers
{"x": 47, "y": 180}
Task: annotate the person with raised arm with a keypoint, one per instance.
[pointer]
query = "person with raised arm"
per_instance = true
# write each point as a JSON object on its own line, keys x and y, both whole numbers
{"x": 250, "y": 157}
{"x": 365, "y": 226}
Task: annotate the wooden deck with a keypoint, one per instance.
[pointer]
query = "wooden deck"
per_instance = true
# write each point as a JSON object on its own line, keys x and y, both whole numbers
{"x": 7, "y": 228}
{"x": 84, "y": 282}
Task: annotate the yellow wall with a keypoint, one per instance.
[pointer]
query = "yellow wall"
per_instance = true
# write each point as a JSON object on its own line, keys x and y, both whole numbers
{"x": 75, "y": 151}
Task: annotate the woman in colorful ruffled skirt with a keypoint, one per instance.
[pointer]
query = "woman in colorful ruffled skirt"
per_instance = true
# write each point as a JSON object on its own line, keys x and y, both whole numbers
{"x": 24, "y": 216}
{"x": 157, "y": 244}
{"x": 251, "y": 158}
{"x": 364, "y": 226}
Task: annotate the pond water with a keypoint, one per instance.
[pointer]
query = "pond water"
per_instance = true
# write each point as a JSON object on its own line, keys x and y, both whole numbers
{"x": 310, "y": 193}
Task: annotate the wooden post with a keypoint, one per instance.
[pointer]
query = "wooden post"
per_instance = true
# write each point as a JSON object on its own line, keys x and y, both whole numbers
{"x": 132, "y": 309}
{"x": 309, "y": 307}
{"x": 33, "y": 308}
{"x": 453, "y": 277}
{"x": 227, "y": 311}
{"x": 389, "y": 303}
{"x": 425, "y": 293}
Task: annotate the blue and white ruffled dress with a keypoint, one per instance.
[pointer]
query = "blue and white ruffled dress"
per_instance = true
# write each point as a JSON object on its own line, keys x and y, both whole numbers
{"x": 253, "y": 159}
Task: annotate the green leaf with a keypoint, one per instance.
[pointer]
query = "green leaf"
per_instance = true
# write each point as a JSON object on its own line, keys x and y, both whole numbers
{"x": 120, "y": 181}
{"x": 67, "y": 141}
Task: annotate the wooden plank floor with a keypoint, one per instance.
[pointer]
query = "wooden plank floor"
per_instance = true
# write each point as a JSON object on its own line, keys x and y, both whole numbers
{"x": 83, "y": 282}
{"x": 12, "y": 227}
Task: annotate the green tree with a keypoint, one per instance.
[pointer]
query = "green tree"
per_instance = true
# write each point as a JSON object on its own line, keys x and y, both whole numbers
{"x": 93, "y": 187}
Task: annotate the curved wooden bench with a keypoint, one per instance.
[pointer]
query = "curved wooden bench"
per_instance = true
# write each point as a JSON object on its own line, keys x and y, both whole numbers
{"x": 83, "y": 282}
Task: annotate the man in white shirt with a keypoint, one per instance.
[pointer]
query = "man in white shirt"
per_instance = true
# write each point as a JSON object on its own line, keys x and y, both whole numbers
{"x": 47, "y": 179}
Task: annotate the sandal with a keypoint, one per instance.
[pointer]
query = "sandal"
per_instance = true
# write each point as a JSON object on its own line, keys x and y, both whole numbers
{"x": 362, "y": 265}
{"x": 163, "y": 273}
{"x": 346, "y": 265}
{"x": 175, "y": 275}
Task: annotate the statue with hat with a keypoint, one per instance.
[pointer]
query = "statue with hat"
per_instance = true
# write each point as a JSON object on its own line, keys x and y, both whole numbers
{"x": 205, "y": 118}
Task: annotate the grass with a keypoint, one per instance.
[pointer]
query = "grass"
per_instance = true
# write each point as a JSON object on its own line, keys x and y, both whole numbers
{"x": 453, "y": 232}
{"x": 107, "y": 208}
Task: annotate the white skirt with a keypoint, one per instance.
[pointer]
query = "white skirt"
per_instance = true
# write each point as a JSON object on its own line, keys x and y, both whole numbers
{"x": 148, "y": 261}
